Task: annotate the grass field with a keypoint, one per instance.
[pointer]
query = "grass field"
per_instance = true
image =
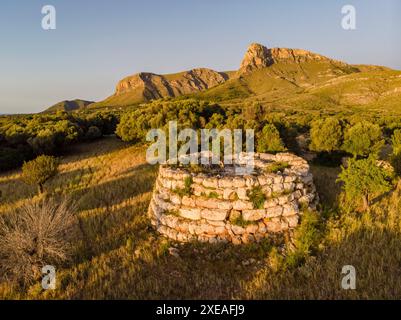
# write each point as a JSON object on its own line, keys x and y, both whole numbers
{"x": 120, "y": 256}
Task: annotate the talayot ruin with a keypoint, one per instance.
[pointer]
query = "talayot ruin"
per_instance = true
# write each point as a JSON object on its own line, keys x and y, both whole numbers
{"x": 212, "y": 204}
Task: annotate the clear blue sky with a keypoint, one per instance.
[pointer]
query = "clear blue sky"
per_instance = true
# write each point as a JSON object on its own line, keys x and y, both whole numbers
{"x": 98, "y": 42}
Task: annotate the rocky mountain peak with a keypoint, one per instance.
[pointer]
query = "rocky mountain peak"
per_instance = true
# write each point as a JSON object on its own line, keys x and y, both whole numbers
{"x": 257, "y": 56}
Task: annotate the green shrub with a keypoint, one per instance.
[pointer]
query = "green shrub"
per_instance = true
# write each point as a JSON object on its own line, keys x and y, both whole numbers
{"x": 187, "y": 190}
{"x": 241, "y": 222}
{"x": 363, "y": 179}
{"x": 39, "y": 170}
{"x": 257, "y": 197}
{"x": 306, "y": 239}
{"x": 396, "y": 141}
{"x": 277, "y": 166}
{"x": 363, "y": 139}
{"x": 269, "y": 140}
{"x": 326, "y": 135}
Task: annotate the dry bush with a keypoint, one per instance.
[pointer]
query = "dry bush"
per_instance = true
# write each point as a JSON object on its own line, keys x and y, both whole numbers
{"x": 33, "y": 236}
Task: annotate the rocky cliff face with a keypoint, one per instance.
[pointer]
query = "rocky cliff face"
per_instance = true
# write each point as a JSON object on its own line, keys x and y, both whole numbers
{"x": 256, "y": 57}
{"x": 259, "y": 56}
{"x": 154, "y": 86}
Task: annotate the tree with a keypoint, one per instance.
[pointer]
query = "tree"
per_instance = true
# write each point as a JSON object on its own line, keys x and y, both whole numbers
{"x": 396, "y": 141}
{"x": 395, "y": 157}
{"x": 40, "y": 170}
{"x": 326, "y": 135}
{"x": 269, "y": 140}
{"x": 33, "y": 236}
{"x": 363, "y": 179}
{"x": 363, "y": 139}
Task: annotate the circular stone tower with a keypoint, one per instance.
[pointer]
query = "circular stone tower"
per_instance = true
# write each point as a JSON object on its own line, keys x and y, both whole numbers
{"x": 213, "y": 203}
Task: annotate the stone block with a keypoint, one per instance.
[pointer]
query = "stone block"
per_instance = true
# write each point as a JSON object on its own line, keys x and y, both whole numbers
{"x": 253, "y": 215}
{"x": 242, "y": 205}
{"x": 274, "y": 212}
{"x": 190, "y": 213}
{"x": 215, "y": 214}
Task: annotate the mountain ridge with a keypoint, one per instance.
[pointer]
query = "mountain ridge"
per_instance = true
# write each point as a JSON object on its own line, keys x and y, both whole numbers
{"x": 263, "y": 72}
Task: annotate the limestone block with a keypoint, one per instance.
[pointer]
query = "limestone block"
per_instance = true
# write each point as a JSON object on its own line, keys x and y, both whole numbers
{"x": 253, "y": 215}
{"x": 217, "y": 223}
{"x": 166, "y": 183}
{"x": 273, "y": 226}
{"x": 234, "y": 214}
{"x": 270, "y": 203}
{"x": 289, "y": 186}
{"x": 262, "y": 227}
{"x": 251, "y": 181}
{"x": 242, "y": 205}
{"x": 225, "y": 182}
{"x": 278, "y": 187}
{"x": 292, "y": 221}
{"x": 190, "y": 213}
{"x": 290, "y": 209}
{"x": 274, "y": 212}
{"x": 177, "y": 184}
{"x": 237, "y": 230}
{"x": 229, "y": 194}
{"x": 247, "y": 238}
{"x": 198, "y": 179}
{"x": 224, "y": 205}
{"x": 171, "y": 221}
{"x": 252, "y": 228}
{"x": 188, "y": 201}
{"x": 241, "y": 192}
{"x": 239, "y": 182}
{"x": 215, "y": 214}
{"x": 210, "y": 183}
{"x": 267, "y": 157}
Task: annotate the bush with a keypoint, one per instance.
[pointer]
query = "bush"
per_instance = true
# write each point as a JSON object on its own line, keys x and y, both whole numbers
{"x": 36, "y": 235}
{"x": 395, "y": 160}
{"x": 269, "y": 140}
{"x": 363, "y": 139}
{"x": 12, "y": 157}
{"x": 306, "y": 239}
{"x": 278, "y": 166}
{"x": 187, "y": 190}
{"x": 39, "y": 170}
{"x": 326, "y": 135}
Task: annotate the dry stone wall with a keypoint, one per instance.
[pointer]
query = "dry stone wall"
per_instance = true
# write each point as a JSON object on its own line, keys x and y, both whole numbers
{"x": 216, "y": 206}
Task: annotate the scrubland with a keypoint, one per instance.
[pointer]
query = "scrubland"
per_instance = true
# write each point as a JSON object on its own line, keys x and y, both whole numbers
{"x": 119, "y": 255}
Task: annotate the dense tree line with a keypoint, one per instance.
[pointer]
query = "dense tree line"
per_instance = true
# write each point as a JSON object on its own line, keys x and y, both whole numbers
{"x": 27, "y": 136}
{"x": 331, "y": 136}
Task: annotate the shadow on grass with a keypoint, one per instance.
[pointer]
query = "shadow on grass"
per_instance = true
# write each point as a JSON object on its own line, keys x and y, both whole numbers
{"x": 375, "y": 253}
{"x": 140, "y": 180}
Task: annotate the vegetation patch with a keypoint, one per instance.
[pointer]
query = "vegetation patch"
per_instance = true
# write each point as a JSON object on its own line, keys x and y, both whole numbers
{"x": 187, "y": 190}
{"x": 257, "y": 197}
{"x": 278, "y": 166}
{"x": 241, "y": 222}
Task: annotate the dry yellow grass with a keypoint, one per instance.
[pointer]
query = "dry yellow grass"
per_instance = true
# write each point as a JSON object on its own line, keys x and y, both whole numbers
{"x": 121, "y": 256}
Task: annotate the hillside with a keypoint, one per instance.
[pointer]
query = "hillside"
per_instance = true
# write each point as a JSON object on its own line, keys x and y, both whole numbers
{"x": 69, "y": 105}
{"x": 146, "y": 86}
{"x": 279, "y": 76}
